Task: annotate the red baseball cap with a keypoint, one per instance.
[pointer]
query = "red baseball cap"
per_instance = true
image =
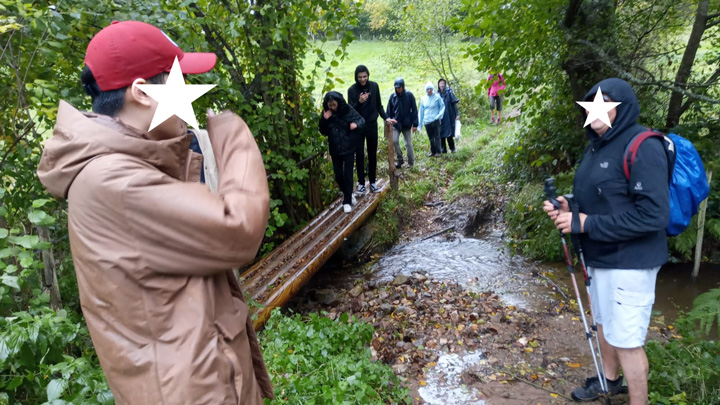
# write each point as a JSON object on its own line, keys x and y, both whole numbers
{"x": 128, "y": 50}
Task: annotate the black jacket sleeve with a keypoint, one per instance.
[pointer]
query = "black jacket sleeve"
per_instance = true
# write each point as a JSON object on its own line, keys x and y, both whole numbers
{"x": 649, "y": 190}
{"x": 413, "y": 110}
{"x": 323, "y": 125}
{"x": 354, "y": 116}
{"x": 353, "y": 96}
{"x": 389, "y": 113}
{"x": 378, "y": 102}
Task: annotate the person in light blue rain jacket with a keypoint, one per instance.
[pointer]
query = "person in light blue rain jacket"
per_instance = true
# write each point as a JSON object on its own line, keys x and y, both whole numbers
{"x": 431, "y": 112}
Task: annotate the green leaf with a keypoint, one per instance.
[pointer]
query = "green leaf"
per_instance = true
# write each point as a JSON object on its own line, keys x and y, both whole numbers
{"x": 55, "y": 389}
{"x": 26, "y": 241}
{"x": 10, "y": 281}
{"x": 39, "y": 203}
{"x": 4, "y": 233}
{"x": 36, "y": 217}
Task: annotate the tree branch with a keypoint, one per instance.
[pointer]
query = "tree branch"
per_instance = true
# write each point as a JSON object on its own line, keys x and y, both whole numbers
{"x": 624, "y": 74}
{"x": 708, "y": 83}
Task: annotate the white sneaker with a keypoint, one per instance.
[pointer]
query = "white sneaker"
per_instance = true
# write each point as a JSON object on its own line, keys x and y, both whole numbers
{"x": 354, "y": 200}
{"x": 347, "y": 207}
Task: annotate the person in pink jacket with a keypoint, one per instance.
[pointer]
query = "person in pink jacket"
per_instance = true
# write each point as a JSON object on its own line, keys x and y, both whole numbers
{"x": 495, "y": 97}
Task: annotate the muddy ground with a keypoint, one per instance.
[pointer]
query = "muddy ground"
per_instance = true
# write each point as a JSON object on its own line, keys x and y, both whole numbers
{"x": 448, "y": 341}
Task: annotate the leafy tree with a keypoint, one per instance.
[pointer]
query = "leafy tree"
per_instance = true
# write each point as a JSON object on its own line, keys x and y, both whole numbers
{"x": 423, "y": 29}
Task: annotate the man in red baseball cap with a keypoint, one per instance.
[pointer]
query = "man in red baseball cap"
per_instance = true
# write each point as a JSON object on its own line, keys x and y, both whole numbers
{"x": 153, "y": 247}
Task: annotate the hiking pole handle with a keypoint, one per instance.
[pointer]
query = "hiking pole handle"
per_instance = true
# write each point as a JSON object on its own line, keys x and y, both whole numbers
{"x": 551, "y": 192}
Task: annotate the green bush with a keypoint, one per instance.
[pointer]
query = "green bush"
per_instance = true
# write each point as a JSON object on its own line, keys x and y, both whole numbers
{"x": 316, "y": 360}
{"x": 687, "y": 370}
{"x": 531, "y": 231}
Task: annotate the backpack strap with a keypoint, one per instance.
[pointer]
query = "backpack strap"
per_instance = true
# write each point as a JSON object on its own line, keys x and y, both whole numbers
{"x": 632, "y": 149}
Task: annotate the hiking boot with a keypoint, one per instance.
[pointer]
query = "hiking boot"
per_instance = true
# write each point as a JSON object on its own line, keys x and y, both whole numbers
{"x": 399, "y": 164}
{"x": 347, "y": 208}
{"x": 361, "y": 189}
{"x": 499, "y": 120}
{"x": 374, "y": 188}
{"x": 592, "y": 391}
{"x": 492, "y": 120}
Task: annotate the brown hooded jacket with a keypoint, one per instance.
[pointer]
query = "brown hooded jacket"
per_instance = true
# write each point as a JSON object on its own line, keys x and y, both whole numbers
{"x": 152, "y": 248}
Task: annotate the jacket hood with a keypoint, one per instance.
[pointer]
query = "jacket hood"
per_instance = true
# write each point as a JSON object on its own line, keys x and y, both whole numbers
{"x": 628, "y": 111}
{"x": 442, "y": 80}
{"x": 334, "y": 95}
{"x": 400, "y": 83}
{"x": 80, "y": 137}
{"x": 429, "y": 85}
{"x": 360, "y": 69}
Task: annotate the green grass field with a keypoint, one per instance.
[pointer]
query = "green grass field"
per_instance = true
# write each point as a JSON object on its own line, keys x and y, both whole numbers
{"x": 384, "y": 60}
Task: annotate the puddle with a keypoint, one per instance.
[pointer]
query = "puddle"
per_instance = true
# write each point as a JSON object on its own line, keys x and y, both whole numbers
{"x": 479, "y": 264}
{"x": 444, "y": 385}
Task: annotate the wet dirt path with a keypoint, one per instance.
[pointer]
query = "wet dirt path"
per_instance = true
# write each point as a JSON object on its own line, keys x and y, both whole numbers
{"x": 466, "y": 322}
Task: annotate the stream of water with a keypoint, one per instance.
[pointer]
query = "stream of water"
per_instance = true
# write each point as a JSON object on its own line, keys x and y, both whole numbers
{"x": 484, "y": 263}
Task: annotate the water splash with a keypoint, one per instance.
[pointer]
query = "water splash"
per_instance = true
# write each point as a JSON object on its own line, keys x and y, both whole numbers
{"x": 444, "y": 384}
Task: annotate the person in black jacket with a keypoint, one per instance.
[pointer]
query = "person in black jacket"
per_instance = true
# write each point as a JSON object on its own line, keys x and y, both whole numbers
{"x": 364, "y": 97}
{"x": 451, "y": 115}
{"x": 621, "y": 227}
{"x": 341, "y": 124}
{"x": 403, "y": 114}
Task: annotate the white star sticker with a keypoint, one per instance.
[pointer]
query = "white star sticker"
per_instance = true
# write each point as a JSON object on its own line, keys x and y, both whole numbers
{"x": 175, "y": 97}
{"x": 598, "y": 109}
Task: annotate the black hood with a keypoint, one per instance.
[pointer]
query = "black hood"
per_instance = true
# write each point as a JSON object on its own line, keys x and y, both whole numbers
{"x": 360, "y": 69}
{"x": 438, "y": 85}
{"x": 628, "y": 111}
{"x": 334, "y": 95}
{"x": 400, "y": 83}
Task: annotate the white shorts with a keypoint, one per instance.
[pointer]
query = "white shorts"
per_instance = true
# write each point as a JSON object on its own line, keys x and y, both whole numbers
{"x": 622, "y": 302}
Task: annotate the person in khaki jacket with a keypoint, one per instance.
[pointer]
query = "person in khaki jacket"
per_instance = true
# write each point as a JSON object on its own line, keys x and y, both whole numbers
{"x": 152, "y": 246}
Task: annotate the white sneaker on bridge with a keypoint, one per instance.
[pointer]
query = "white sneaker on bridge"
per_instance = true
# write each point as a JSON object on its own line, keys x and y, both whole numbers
{"x": 347, "y": 207}
{"x": 354, "y": 200}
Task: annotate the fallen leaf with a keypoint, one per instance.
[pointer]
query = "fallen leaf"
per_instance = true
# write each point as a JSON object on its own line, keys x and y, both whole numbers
{"x": 574, "y": 365}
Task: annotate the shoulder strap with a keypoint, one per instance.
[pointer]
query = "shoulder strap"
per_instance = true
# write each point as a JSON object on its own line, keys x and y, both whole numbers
{"x": 632, "y": 149}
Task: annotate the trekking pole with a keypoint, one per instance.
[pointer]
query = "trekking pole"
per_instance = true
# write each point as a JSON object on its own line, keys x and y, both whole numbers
{"x": 550, "y": 193}
{"x": 575, "y": 209}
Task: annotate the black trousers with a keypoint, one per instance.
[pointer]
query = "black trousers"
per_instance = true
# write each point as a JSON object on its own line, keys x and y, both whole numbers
{"x": 343, "y": 168}
{"x": 450, "y": 143}
{"x": 370, "y": 132}
{"x": 433, "y": 131}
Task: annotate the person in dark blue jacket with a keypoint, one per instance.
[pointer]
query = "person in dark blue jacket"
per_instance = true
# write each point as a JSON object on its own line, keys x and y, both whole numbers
{"x": 621, "y": 227}
{"x": 403, "y": 114}
{"x": 447, "y": 124}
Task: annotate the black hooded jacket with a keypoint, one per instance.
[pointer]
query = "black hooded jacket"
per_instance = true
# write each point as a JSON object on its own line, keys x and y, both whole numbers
{"x": 403, "y": 108}
{"x": 341, "y": 138}
{"x": 372, "y": 107}
{"x": 625, "y": 227}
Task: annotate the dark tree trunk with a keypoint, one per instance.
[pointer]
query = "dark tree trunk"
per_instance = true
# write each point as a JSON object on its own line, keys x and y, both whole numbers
{"x": 675, "y": 108}
{"x": 588, "y": 22}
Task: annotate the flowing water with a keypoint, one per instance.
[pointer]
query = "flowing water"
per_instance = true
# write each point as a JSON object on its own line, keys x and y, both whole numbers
{"x": 484, "y": 263}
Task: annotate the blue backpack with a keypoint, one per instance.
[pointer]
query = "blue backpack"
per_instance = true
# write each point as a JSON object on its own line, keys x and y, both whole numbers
{"x": 688, "y": 182}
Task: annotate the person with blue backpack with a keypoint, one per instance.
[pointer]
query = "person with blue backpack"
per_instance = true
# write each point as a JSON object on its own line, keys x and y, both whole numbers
{"x": 621, "y": 224}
